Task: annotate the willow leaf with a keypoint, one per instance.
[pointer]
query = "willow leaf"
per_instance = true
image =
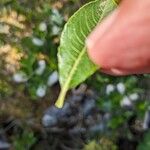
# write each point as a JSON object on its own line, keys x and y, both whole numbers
{"x": 74, "y": 63}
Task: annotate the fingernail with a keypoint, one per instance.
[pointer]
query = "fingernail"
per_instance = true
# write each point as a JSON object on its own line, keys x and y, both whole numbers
{"x": 116, "y": 71}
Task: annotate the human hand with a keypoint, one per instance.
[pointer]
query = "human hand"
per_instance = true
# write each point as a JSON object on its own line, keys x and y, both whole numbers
{"x": 120, "y": 45}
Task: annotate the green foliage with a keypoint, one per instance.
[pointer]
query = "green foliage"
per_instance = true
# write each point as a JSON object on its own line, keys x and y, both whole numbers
{"x": 145, "y": 144}
{"x": 74, "y": 64}
{"x": 121, "y": 99}
{"x": 104, "y": 144}
{"x": 25, "y": 141}
{"x": 33, "y": 29}
{"x": 5, "y": 89}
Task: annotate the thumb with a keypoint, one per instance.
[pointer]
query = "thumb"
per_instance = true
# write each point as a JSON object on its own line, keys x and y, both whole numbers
{"x": 121, "y": 43}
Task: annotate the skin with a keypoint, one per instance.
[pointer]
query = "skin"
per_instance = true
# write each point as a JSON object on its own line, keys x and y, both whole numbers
{"x": 120, "y": 45}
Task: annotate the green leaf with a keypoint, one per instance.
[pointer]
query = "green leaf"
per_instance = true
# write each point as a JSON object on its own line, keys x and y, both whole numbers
{"x": 145, "y": 144}
{"x": 74, "y": 63}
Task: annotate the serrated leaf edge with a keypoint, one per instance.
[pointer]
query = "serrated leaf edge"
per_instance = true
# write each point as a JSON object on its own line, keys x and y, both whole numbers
{"x": 60, "y": 101}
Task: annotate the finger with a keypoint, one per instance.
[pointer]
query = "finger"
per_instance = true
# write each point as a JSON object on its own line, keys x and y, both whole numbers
{"x": 123, "y": 39}
{"x": 119, "y": 72}
{"x": 115, "y": 72}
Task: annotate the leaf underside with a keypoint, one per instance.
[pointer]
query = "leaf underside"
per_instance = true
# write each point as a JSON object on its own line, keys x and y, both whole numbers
{"x": 74, "y": 63}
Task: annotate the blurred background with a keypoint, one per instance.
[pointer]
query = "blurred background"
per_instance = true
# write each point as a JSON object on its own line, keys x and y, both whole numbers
{"x": 103, "y": 113}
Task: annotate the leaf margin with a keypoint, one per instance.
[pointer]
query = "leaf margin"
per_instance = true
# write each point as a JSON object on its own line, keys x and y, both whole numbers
{"x": 64, "y": 88}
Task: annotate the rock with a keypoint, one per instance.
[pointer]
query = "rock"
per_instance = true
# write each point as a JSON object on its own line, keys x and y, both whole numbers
{"x": 49, "y": 120}
{"x": 146, "y": 124}
{"x": 88, "y": 106}
{"x": 4, "y": 145}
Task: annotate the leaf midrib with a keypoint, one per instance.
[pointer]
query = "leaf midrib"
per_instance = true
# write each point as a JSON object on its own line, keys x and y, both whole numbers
{"x": 65, "y": 88}
{"x": 59, "y": 103}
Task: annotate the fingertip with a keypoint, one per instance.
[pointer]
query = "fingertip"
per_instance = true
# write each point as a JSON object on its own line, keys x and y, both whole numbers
{"x": 98, "y": 38}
